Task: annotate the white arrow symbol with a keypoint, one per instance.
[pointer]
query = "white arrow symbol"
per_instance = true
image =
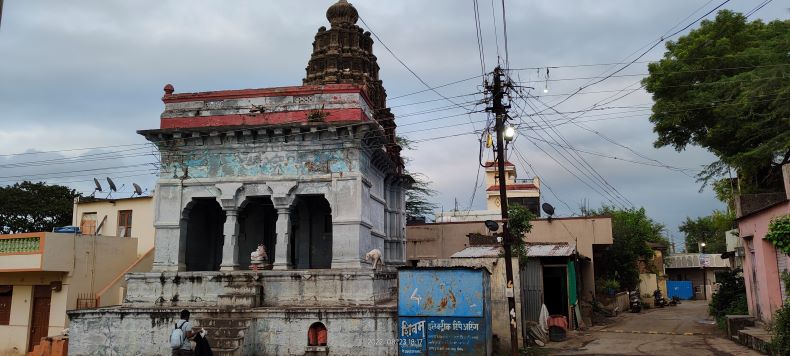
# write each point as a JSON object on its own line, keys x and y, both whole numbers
{"x": 416, "y": 297}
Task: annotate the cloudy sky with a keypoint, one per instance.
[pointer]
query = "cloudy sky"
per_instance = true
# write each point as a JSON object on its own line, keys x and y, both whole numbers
{"x": 78, "y": 78}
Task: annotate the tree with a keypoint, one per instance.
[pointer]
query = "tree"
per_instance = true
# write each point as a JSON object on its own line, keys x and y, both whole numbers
{"x": 519, "y": 225}
{"x": 30, "y": 207}
{"x": 418, "y": 193}
{"x": 709, "y": 229}
{"x": 632, "y": 229}
{"x": 725, "y": 87}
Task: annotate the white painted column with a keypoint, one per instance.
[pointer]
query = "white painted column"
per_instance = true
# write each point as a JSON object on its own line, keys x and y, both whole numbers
{"x": 230, "y": 250}
{"x": 282, "y": 248}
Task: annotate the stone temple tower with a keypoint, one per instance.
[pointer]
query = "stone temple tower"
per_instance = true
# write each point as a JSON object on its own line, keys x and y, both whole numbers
{"x": 313, "y": 173}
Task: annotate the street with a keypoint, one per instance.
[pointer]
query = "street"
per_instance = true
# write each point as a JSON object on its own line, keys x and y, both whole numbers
{"x": 682, "y": 330}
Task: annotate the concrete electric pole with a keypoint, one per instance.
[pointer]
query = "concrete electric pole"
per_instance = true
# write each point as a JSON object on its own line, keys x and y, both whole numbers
{"x": 500, "y": 113}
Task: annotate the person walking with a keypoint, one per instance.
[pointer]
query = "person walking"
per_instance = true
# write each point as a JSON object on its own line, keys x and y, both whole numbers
{"x": 182, "y": 331}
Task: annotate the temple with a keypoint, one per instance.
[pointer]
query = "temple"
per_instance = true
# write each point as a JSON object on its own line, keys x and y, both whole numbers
{"x": 313, "y": 173}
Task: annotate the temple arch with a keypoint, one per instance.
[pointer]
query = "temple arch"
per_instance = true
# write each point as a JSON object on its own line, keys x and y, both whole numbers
{"x": 202, "y": 228}
{"x": 257, "y": 224}
{"x": 311, "y": 232}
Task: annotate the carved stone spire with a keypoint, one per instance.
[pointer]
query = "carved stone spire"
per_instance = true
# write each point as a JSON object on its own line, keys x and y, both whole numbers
{"x": 344, "y": 55}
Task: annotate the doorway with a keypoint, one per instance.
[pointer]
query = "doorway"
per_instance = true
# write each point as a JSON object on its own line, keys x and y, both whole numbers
{"x": 555, "y": 289}
{"x": 202, "y": 224}
{"x": 257, "y": 225}
{"x": 311, "y": 232}
{"x": 39, "y": 322}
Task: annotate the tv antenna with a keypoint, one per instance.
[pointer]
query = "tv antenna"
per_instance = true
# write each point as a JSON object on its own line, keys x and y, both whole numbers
{"x": 548, "y": 209}
{"x": 97, "y": 188}
{"x": 137, "y": 190}
{"x": 113, "y": 188}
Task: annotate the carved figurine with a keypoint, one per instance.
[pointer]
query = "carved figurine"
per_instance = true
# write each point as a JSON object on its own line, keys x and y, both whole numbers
{"x": 258, "y": 257}
{"x": 374, "y": 256}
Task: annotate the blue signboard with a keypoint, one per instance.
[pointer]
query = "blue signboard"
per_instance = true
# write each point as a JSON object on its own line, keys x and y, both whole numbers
{"x": 444, "y": 311}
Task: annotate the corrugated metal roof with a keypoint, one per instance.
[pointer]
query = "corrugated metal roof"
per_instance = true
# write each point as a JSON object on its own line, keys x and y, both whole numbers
{"x": 533, "y": 250}
{"x": 478, "y": 252}
{"x": 550, "y": 250}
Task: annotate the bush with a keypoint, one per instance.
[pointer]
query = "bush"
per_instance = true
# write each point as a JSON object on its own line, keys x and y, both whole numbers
{"x": 780, "y": 343}
{"x": 731, "y": 297}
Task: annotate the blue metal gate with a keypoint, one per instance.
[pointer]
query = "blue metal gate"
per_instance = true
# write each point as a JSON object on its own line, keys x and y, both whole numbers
{"x": 681, "y": 289}
{"x": 444, "y": 311}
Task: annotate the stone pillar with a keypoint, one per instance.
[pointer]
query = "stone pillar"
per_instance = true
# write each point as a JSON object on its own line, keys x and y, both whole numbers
{"x": 282, "y": 249}
{"x": 230, "y": 249}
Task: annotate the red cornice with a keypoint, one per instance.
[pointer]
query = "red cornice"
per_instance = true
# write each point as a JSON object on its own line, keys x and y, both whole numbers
{"x": 513, "y": 187}
{"x": 274, "y": 118}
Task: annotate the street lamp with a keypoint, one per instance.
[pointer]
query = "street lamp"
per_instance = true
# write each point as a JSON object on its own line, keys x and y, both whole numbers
{"x": 510, "y": 133}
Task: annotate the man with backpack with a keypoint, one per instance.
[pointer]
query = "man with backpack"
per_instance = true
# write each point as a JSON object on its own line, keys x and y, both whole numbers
{"x": 181, "y": 335}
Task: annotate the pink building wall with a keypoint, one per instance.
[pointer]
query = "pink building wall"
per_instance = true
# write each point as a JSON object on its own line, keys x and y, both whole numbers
{"x": 760, "y": 270}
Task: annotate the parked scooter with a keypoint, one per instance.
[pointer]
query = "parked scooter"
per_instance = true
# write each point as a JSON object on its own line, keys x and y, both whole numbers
{"x": 674, "y": 301}
{"x": 659, "y": 300}
{"x": 634, "y": 301}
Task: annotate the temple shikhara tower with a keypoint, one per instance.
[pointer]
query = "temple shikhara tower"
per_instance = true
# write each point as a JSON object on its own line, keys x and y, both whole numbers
{"x": 311, "y": 172}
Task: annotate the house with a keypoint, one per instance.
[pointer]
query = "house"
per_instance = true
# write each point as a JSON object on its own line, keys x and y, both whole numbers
{"x": 525, "y": 192}
{"x": 42, "y": 275}
{"x": 559, "y": 268}
{"x": 652, "y": 274}
{"x": 763, "y": 265}
{"x": 123, "y": 217}
{"x": 698, "y": 269}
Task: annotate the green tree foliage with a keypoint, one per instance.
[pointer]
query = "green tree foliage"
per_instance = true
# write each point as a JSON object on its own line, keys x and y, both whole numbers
{"x": 631, "y": 230}
{"x": 779, "y": 233}
{"x": 731, "y": 297}
{"x": 417, "y": 197}
{"x": 780, "y": 329}
{"x": 519, "y": 225}
{"x": 419, "y": 192}
{"x": 30, "y": 207}
{"x": 709, "y": 229}
{"x": 725, "y": 87}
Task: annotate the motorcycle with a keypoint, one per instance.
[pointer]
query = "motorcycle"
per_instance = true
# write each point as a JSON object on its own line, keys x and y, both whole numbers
{"x": 634, "y": 301}
{"x": 674, "y": 301}
{"x": 659, "y": 300}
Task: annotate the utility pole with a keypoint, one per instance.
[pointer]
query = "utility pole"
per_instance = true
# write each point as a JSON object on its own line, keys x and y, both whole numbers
{"x": 500, "y": 112}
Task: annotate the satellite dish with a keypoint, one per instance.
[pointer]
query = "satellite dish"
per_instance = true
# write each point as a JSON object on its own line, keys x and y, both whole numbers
{"x": 492, "y": 225}
{"x": 547, "y": 208}
{"x": 98, "y": 186}
{"x": 112, "y": 185}
{"x": 137, "y": 189}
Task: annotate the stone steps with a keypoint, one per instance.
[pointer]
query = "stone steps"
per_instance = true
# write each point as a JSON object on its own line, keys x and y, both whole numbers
{"x": 226, "y": 335}
{"x": 757, "y": 338}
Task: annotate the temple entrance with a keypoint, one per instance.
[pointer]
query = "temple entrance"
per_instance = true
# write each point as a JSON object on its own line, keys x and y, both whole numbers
{"x": 311, "y": 232}
{"x": 202, "y": 224}
{"x": 257, "y": 225}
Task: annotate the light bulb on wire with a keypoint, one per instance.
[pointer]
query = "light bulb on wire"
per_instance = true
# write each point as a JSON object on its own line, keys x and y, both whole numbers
{"x": 546, "y": 85}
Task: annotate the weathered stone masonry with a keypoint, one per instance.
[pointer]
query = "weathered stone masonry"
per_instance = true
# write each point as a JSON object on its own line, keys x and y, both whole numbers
{"x": 314, "y": 173}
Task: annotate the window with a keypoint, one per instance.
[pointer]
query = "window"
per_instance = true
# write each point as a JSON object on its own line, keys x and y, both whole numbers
{"x": 316, "y": 335}
{"x": 5, "y": 304}
{"x": 125, "y": 223}
{"x": 88, "y": 223}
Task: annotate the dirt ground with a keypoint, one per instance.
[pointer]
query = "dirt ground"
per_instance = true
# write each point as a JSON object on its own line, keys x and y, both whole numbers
{"x": 685, "y": 329}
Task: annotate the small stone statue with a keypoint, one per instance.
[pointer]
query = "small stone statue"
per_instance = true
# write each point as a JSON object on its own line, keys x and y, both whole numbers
{"x": 374, "y": 256}
{"x": 258, "y": 257}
